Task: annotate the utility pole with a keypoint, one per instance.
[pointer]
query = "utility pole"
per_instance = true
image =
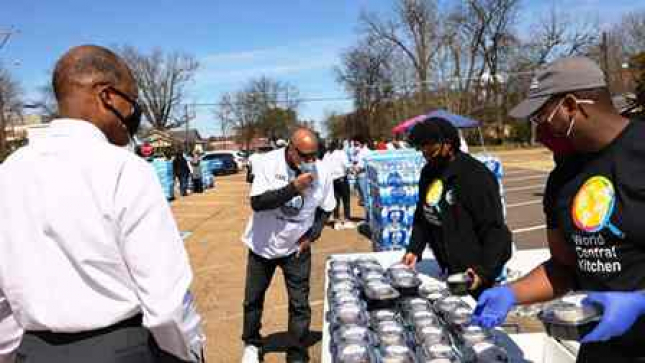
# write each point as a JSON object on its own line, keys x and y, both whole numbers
{"x": 187, "y": 129}
{"x": 604, "y": 50}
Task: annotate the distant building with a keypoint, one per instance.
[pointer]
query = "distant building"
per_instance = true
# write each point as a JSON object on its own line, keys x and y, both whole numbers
{"x": 24, "y": 127}
{"x": 230, "y": 143}
{"x": 171, "y": 140}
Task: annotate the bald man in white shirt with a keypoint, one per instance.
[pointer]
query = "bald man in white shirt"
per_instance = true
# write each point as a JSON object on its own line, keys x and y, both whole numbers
{"x": 92, "y": 266}
{"x": 292, "y": 197}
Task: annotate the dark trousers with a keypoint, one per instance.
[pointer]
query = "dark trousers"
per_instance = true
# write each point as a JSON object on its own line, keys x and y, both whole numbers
{"x": 259, "y": 272}
{"x": 183, "y": 184}
{"x": 127, "y": 344}
{"x": 198, "y": 186}
{"x": 342, "y": 193}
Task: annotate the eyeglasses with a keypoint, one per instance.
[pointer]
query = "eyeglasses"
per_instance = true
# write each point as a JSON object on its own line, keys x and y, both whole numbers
{"x": 134, "y": 103}
{"x": 537, "y": 119}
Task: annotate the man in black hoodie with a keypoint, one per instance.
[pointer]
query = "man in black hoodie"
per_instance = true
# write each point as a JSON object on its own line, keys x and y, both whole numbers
{"x": 459, "y": 213}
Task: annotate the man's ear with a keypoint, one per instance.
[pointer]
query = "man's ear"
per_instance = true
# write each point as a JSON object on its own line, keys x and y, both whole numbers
{"x": 104, "y": 97}
{"x": 569, "y": 106}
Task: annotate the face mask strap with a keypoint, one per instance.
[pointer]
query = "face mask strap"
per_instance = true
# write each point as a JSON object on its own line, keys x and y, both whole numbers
{"x": 572, "y": 122}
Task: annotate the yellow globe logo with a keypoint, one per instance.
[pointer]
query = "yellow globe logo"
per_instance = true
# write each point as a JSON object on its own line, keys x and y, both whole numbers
{"x": 434, "y": 193}
{"x": 593, "y": 204}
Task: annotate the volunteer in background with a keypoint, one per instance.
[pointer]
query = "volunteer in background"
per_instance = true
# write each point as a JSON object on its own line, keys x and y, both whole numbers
{"x": 362, "y": 151}
{"x": 459, "y": 213}
{"x": 181, "y": 171}
{"x": 197, "y": 173}
{"x": 338, "y": 165}
{"x": 594, "y": 202}
{"x": 292, "y": 197}
{"x": 91, "y": 262}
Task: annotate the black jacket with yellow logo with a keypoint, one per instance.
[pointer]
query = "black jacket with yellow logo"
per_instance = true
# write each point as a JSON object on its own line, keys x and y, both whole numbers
{"x": 460, "y": 215}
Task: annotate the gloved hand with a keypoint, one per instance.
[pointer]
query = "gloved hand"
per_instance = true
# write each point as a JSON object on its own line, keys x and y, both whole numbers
{"x": 493, "y": 306}
{"x": 620, "y": 311}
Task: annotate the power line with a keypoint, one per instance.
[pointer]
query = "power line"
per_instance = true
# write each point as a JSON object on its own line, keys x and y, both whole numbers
{"x": 5, "y": 35}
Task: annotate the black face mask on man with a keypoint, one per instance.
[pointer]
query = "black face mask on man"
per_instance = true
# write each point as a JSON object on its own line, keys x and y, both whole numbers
{"x": 131, "y": 122}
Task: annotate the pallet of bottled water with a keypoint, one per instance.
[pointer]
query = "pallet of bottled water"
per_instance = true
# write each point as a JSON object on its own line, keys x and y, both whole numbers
{"x": 494, "y": 164}
{"x": 208, "y": 179}
{"x": 164, "y": 171}
{"x": 392, "y": 197}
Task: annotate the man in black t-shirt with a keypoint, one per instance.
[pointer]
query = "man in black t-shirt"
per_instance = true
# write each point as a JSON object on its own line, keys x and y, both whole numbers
{"x": 593, "y": 202}
{"x": 459, "y": 213}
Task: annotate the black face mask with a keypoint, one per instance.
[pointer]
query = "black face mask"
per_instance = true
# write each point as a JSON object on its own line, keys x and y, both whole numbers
{"x": 439, "y": 162}
{"x": 131, "y": 122}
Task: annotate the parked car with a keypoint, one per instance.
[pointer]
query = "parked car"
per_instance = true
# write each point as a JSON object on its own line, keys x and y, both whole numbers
{"x": 239, "y": 156}
{"x": 228, "y": 163}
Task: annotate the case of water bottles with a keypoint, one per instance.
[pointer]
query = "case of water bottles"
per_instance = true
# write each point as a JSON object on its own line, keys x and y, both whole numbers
{"x": 494, "y": 164}
{"x": 164, "y": 171}
{"x": 392, "y": 196}
{"x": 208, "y": 169}
{"x": 393, "y": 178}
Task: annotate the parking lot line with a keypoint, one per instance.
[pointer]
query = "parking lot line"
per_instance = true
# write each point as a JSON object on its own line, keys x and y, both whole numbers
{"x": 514, "y": 172}
{"x": 533, "y": 186}
{"x": 529, "y": 229}
{"x": 541, "y": 176}
{"x": 522, "y": 204}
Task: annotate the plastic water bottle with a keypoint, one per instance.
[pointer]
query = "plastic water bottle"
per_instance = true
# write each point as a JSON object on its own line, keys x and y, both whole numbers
{"x": 398, "y": 237}
{"x": 385, "y": 237}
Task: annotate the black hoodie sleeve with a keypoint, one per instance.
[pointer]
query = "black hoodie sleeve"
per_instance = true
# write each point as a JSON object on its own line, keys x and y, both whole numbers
{"x": 273, "y": 199}
{"x": 319, "y": 223}
{"x": 483, "y": 202}
{"x": 420, "y": 234}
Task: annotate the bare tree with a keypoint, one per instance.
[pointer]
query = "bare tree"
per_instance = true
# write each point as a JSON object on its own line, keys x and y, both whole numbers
{"x": 366, "y": 73}
{"x": 264, "y": 106}
{"x": 162, "y": 79}
{"x": 413, "y": 30}
{"x": 496, "y": 19}
{"x": 223, "y": 114}
{"x": 46, "y": 103}
{"x": 239, "y": 115}
{"x": 632, "y": 31}
{"x": 10, "y": 106}
{"x": 276, "y": 103}
{"x": 556, "y": 35}
{"x": 462, "y": 63}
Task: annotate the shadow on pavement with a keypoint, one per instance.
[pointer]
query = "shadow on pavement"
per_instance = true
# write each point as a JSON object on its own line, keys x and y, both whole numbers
{"x": 365, "y": 230}
{"x": 280, "y": 342}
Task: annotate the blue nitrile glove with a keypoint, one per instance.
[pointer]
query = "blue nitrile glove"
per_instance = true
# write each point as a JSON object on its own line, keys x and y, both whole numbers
{"x": 493, "y": 306}
{"x": 620, "y": 311}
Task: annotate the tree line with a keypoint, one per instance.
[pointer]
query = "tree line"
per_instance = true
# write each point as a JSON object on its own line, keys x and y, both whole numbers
{"x": 471, "y": 58}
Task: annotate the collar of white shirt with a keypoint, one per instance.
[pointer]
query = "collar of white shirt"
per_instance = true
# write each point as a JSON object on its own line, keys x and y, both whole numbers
{"x": 76, "y": 128}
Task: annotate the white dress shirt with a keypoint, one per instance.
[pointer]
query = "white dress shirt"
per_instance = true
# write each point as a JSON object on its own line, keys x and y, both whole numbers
{"x": 275, "y": 233}
{"x": 87, "y": 239}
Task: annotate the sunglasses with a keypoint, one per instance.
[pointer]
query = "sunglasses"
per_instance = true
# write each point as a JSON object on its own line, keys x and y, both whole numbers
{"x": 305, "y": 156}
